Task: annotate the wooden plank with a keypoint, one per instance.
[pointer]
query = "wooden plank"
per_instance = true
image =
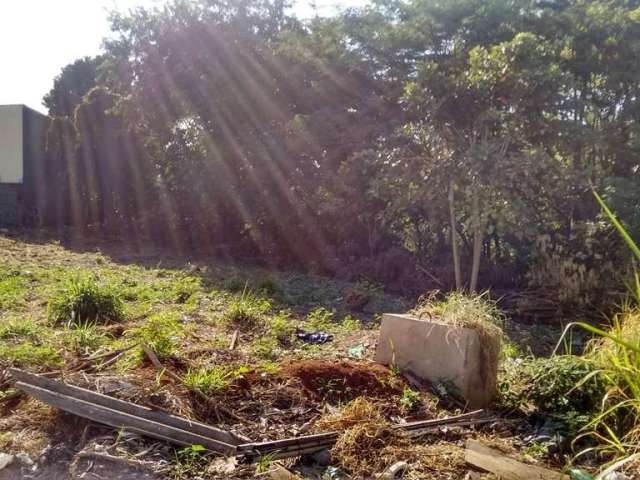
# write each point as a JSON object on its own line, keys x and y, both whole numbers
{"x": 119, "y": 419}
{"x": 126, "y": 407}
{"x": 490, "y": 460}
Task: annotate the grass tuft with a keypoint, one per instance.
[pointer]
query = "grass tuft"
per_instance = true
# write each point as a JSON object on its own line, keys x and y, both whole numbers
{"x": 162, "y": 332}
{"x": 209, "y": 380}
{"x": 82, "y": 300}
{"x": 245, "y": 312}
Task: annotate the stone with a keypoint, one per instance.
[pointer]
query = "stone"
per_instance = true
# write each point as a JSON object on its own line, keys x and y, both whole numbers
{"x": 5, "y": 460}
{"x": 438, "y": 352}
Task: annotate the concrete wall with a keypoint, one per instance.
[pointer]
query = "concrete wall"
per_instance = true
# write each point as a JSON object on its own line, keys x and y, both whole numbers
{"x": 36, "y": 187}
{"x": 23, "y": 165}
{"x": 11, "y": 143}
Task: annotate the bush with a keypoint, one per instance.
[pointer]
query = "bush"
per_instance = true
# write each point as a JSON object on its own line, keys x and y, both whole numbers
{"x": 553, "y": 385}
{"x": 82, "y": 301}
{"x": 161, "y": 332}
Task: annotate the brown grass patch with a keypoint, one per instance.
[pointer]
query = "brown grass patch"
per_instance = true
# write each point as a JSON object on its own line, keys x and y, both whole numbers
{"x": 368, "y": 446}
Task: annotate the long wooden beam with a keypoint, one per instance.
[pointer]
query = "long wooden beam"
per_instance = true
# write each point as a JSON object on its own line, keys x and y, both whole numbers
{"x": 119, "y": 419}
{"x": 125, "y": 407}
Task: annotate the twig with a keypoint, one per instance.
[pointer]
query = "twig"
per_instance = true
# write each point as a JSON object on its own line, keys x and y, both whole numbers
{"x": 234, "y": 339}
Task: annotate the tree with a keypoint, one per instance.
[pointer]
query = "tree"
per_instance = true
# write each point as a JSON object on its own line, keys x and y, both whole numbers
{"x": 75, "y": 80}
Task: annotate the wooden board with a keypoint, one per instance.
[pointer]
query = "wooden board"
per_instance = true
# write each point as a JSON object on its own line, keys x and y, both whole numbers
{"x": 125, "y": 407}
{"x": 505, "y": 468}
{"x": 119, "y": 419}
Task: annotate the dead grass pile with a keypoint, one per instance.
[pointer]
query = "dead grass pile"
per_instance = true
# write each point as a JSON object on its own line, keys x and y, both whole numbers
{"x": 471, "y": 311}
{"x": 368, "y": 444}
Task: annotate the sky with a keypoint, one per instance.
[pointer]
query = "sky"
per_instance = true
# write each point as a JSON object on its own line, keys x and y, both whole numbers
{"x": 39, "y": 37}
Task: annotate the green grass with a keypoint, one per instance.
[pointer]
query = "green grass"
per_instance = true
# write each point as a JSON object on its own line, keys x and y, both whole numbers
{"x": 84, "y": 338}
{"x": 83, "y": 300}
{"x": 28, "y": 354}
{"x": 162, "y": 332}
{"x": 615, "y": 358}
{"x": 245, "y": 312}
{"x": 13, "y": 288}
{"x": 14, "y": 327}
{"x": 282, "y": 327}
{"x": 209, "y": 380}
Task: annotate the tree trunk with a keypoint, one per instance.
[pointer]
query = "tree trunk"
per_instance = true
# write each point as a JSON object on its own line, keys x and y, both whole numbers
{"x": 477, "y": 243}
{"x": 454, "y": 238}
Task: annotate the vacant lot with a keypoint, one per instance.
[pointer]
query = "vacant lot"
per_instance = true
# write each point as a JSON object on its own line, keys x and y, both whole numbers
{"x": 226, "y": 331}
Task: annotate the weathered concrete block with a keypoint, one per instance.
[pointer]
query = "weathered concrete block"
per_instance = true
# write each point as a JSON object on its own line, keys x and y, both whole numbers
{"x": 437, "y": 351}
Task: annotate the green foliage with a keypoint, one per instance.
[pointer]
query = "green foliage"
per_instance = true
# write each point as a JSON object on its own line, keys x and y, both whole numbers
{"x": 14, "y": 327}
{"x": 246, "y": 311}
{"x": 184, "y": 288}
{"x": 561, "y": 385}
{"x": 84, "y": 337}
{"x": 209, "y": 380}
{"x": 410, "y": 399}
{"x": 282, "y": 327}
{"x": 320, "y": 319}
{"x": 189, "y": 461}
{"x": 13, "y": 288}
{"x": 162, "y": 332}
{"x": 266, "y": 348}
{"x": 28, "y": 354}
{"x": 83, "y": 300}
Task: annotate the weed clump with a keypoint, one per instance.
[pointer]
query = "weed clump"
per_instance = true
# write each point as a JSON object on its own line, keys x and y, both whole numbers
{"x": 82, "y": 300}
{"x": 12, "y": 288}
{"x": 85, "y": 337}
{"x": 245, "y": 312}
{"x": 211, "y": 380}
{"x": 16, "y": 327}
{"x": 162, "y": 333}
{"x": 282, "y": 328}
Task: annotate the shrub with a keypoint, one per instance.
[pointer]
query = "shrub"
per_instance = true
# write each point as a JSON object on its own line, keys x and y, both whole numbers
{"x": 320, "y": 319}
{"x": 550, "y": 385}
{"x": 184, "y": 288}
{"x": 162, "y": 333}
{"x": 82, "y": 300}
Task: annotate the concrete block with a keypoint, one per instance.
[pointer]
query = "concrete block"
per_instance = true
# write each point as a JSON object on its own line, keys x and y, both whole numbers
{"x": 437, "y": 351}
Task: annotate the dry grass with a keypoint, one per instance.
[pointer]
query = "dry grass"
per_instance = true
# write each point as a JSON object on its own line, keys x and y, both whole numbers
{"x": 368, "y": 446}
{"x": 476, "y": 312}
